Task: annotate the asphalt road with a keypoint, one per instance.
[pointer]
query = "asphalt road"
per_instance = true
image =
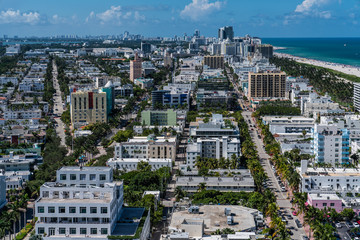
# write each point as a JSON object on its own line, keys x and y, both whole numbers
{"x": 272, "y": 183}
{"x": 58, "y": 106}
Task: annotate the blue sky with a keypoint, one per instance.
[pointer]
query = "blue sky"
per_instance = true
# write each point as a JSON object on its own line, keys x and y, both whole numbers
{"x": 263, "y": 18}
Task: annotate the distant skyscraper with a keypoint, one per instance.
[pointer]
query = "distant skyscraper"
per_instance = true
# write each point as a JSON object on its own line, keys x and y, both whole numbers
{"x": 145, "y": 47}
{"x": 214, "y": 62}
{"x": 135, "y": 68}
{"x": 226, "y": 32}
{"x": 266, "y": 50}
{"x": 197, "y": 33}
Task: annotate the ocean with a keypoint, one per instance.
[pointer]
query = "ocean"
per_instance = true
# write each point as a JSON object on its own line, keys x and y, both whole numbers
{"x": 337, "y": 50}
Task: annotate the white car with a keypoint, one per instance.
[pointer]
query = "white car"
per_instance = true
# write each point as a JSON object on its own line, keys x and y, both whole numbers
{"x": 338, "y": 225}
{"x": 356, "y": 224}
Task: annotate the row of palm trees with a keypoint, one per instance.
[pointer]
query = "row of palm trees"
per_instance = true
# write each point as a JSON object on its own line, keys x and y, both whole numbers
{"x": 213, "y": 163}
{"x": 12, "y": 215}
{"x": 323, "y": 80}
{"x": 317, "y": 219}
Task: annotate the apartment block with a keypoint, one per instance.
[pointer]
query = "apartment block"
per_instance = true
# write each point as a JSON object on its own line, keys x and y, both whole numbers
{"x": 130, "y": 164}
{"x": 147, "y": 147}
{"x": 83, "y": 203}
{"x": 331, "y": 144}
{"x": 356, "y": 96}
{"x": 267, "y": 85}
{"x": 135, "y": 68}
{"x": 214, "y": 62}
{"x": 158, "y": 118}
{"x": 87, "y": 107}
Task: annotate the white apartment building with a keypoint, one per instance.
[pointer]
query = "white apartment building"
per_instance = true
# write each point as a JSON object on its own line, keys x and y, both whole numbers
{"x": 289, "y": 124}
{"x": 349, "y": 121}
{"x": 2, "y": 189}
{"x": 328, "y": 180}
{"x": 222, "y": 184}
{"x": 84, "y": 203}
{"x": 22, "y": 114}
{"x": 315, "y": 104}
{"x": 5, "y": 80}
{"x": 331, "y": 144}
{"x": 211, "y": 148}
{"x": 357, "y": 96}
{"x": 147, "y": 147}
{"x": 31, "y": 85}
{"x": 130, "y": 164}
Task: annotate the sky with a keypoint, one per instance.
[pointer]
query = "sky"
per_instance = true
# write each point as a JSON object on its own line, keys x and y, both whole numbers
{"x": 262, "y": 18}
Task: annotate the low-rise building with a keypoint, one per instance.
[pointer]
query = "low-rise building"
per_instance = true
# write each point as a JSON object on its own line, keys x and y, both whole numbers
{"x": 130, "y": 164}
{"x": 321, "y": 201}
{"x": 215, "y": 99}
{"x": 147, "y": 147}
{"x": 85, "y": 203}
{"x": 329, "y": 180}
{"x": 22, "y": 114}
{"x": 159, "y": 118}
{"x": 144, "y": 83}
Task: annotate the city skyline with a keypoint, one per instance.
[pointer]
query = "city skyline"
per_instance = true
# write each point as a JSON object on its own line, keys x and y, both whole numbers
{"x": 301, "y": 18}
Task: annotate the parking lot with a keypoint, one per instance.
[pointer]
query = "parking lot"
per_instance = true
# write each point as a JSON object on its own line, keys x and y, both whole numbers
{"x": 343, "y": 231}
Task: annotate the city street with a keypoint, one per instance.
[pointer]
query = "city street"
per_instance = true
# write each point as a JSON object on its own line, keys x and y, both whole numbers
{"x": 58, "y": 106}
{"x": 281, "y": 197}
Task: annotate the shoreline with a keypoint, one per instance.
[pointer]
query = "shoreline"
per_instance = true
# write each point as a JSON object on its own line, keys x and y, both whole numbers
{"x": 347, "y": 69}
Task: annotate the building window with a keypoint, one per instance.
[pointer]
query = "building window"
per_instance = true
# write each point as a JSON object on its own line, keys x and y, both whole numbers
{"x": 63, "y": 177}
{"x": 332, "y": 204}
{"x": 51, "y": 209}
{"x": 73, "y": 231}
{"x": 72, "y": 209}
{"x": 92, "y": 177}
{"x": 102, "y": 177}
{"x": 41, "y": 230}
{"x": 82, "y": 209}
{"x": 40, "y": 209}
{"x": 61, "y": 209}
{"x": 104, "y": 231}
{"x": 93, "y": 230}
{"x": 104, "y": 210}
{"x": 93, "y": 210}
{"x": 82, "y": 230}
{"x": 72, "y": 177}
{"x": 82, "y": 177}
{"x": 324, "y": 204}
{"x": 61, "y": 230}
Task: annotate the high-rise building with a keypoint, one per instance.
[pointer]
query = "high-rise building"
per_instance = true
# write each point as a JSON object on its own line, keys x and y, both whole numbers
{"x": 88, "y": 107}
{"x": 135, "y": 68}
{"x": 226, "y": 32}
{"x": 109, "y": 89}
{"x": 145, "y": 47}
{"x": 266, "y": 50}
{"x": 2, "y": 188}
{"x": 357, "y": 96}
{"x": 267, "y": 85}
{"x": 214, "y": 62}
{"x": 197, "y": 33}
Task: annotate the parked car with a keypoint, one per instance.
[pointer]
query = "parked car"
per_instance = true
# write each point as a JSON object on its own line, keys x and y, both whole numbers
{"x": 283, "y": 189}
{"x": 356, "y": 224}
{"x": 305, "y": 238}
{"x": 350, "y": 225}
{"x": 338, "y": 225}
{"x": 289, "y": 217}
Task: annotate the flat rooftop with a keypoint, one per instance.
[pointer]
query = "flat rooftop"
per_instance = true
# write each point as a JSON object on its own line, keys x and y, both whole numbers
{"x": 322, "y": 196}
{"x": 74, "y": 168}
{"x": 332, "y": 172}
{"x": 214, "y": 218}
{"x": 215, "y": 181}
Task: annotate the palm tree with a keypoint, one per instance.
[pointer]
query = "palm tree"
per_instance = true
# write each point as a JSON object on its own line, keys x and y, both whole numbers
{"x": 14, "y": 217}
{"x": 201, "y": 187}
{"x": 271, "y": 210}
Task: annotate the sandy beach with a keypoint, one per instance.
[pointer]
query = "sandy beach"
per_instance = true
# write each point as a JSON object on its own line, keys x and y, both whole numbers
{"x": 335, "y": 66}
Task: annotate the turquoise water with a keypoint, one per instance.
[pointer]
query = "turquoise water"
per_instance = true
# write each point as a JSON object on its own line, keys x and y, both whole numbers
{"x": 337, "y": 50}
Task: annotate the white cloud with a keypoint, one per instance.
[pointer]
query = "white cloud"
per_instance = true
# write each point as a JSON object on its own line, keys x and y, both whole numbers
{"x": 138, "y": 16}
{"x": 198, "y": 9}
{"x": 325, "y": 14}
{"x": 307, "y": 5}
{"x": 114, "y": 15}
{"x": 15, "y": 16}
